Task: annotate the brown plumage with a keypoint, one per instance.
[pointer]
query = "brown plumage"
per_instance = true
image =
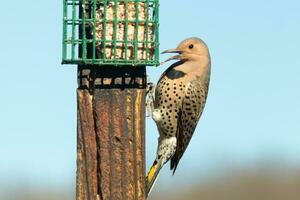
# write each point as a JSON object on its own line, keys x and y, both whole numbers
{"x": 180, "y": 97}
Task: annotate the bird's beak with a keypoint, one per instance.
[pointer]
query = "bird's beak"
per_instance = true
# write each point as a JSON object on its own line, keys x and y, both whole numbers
{"x": 176, "y": 57}
{"x": 171, "y": 51}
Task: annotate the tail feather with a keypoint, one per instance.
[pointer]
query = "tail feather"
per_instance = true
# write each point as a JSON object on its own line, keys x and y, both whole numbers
{"x": 152, "y": 176}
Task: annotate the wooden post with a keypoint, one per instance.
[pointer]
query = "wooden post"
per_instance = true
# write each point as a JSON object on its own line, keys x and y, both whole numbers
{"x": 111, "y": 133}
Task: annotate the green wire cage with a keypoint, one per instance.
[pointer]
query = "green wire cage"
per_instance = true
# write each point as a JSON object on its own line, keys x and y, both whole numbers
{"x": 111, "y": 32}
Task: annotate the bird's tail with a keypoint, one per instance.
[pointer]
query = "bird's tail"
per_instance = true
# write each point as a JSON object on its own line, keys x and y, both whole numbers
{"x": 152, "y": 175}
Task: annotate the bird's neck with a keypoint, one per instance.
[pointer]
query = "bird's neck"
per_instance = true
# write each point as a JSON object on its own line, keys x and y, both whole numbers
{"x": 199, "y": 66}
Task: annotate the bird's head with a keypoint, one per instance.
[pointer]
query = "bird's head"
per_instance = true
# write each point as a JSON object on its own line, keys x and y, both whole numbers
{"x": 189, "y": 50}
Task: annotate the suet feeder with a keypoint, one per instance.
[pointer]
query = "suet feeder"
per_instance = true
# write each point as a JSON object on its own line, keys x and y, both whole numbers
{"x": 111, "y": 32}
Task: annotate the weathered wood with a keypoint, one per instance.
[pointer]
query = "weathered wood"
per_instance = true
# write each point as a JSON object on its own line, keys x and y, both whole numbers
{"x": 111, "y": 128}
{"x": 87, "y": 185}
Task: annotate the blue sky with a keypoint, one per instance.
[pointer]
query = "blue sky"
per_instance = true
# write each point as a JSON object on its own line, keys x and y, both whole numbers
{"x": 252, "y": 112}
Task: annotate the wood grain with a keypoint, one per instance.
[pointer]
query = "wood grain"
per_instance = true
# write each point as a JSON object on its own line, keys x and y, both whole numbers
{"x": 111, "y": 128}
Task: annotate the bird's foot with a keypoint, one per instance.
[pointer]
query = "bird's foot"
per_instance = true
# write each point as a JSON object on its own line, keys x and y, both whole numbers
{"x": 150, "y": 99}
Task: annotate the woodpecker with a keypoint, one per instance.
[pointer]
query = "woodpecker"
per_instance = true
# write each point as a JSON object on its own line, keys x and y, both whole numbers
{"x": 180, "y": 97}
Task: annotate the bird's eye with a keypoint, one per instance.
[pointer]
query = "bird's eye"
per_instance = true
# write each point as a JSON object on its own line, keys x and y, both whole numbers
{"x": 191, "y": 46}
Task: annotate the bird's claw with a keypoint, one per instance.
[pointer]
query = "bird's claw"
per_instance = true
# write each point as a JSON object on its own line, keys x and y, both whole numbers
{"x": 149, "y": 99}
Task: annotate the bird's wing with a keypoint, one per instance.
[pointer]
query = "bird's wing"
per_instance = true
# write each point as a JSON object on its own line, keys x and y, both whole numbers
{"x": 189, "y": 114}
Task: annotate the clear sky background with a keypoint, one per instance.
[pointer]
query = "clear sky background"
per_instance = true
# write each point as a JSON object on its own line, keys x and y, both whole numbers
{"x": 253, "y": 107}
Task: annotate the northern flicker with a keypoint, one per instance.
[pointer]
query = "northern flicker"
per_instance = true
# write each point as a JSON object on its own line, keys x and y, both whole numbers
{"x": 180, "y": 96}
